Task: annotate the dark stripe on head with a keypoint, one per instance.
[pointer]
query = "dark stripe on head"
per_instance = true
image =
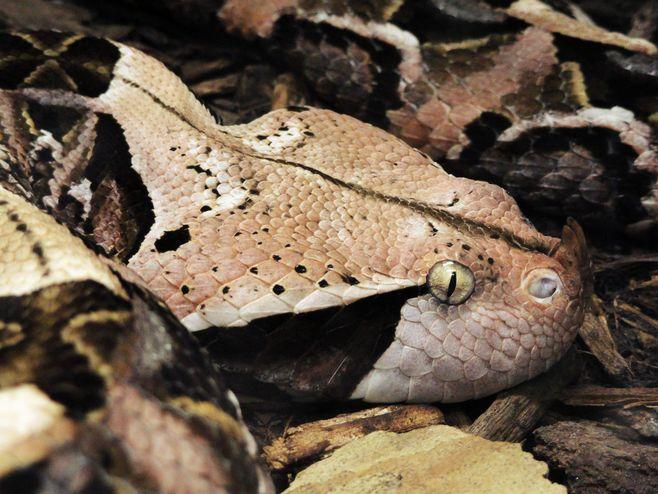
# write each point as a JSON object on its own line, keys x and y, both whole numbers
{"x": 472, "y": 227}
{"x": 160, "y": 103}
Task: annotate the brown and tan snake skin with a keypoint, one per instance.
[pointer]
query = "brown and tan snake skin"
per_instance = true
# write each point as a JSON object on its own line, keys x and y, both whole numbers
{"x": 316, "y": 257}
{"x": 535, "y": 96}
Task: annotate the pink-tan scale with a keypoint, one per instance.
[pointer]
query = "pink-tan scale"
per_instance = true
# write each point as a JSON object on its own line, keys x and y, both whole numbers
{"x": 287, "y": 212}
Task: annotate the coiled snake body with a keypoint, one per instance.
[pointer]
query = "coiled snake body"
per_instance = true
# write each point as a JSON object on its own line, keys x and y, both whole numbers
{"x": 316, "y": 257}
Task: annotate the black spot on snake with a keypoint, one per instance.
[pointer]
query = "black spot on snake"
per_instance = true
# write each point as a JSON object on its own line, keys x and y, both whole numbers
{"x": 349, "y": 279}
{"x": 225, "y": 290}
{"x": 56, "y": 119}
{"x": 44, "y": 154}
{"x": 300, "y": 269}
{"x": 278, "y": 289}
{"x": 185, "y": 289}
{"x": 253, "y": 270}
{"x": 276, "y": 257}
{"x": 173, "y": 239}
{"x": 198, "y": 169}
{"x": 323, "y": 283}
{"x": 482, "y": 133}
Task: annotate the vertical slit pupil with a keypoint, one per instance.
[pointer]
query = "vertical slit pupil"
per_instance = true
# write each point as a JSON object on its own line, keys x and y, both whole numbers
{"x": 452, "y": 284}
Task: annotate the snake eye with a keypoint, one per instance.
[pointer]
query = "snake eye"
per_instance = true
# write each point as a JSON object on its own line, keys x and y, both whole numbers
{"x": 451, "y": 282}
{"x": 542, "y": 283}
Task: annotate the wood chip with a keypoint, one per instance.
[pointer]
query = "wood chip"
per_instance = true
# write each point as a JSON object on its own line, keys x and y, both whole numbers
{"x": 600, "y": 396}
{"x": 311, "y": 441}
{"x": 598, "y": 338}
{"x": 516, "y": 411}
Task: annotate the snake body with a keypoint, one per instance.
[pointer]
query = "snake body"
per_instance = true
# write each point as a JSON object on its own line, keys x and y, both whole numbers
{"x": 314, "y": 255}
{"x": 529, "y": 95}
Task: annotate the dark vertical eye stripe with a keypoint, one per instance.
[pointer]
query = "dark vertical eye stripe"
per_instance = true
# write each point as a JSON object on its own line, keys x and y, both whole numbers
{"x": 470, "y": 226}
{"x": 452, "y": 284}
{"x": 115, "y": 182}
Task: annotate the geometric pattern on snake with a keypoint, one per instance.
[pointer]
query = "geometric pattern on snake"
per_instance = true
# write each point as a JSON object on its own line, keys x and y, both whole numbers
{"x": 314, "y": 254}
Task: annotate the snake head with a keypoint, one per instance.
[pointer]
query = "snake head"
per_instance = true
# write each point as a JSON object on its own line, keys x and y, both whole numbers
{"x": 483, "y": 327}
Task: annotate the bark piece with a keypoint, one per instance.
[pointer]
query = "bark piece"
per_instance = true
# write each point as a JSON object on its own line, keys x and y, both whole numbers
{"x": 595, "y": 332}
{"x": 595, "y": 458}
{"x": 628, "y": 288}
{"x": 600, "y": 396}
{"x": 515, "y": 411}
{"x": 313, "y": 440}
